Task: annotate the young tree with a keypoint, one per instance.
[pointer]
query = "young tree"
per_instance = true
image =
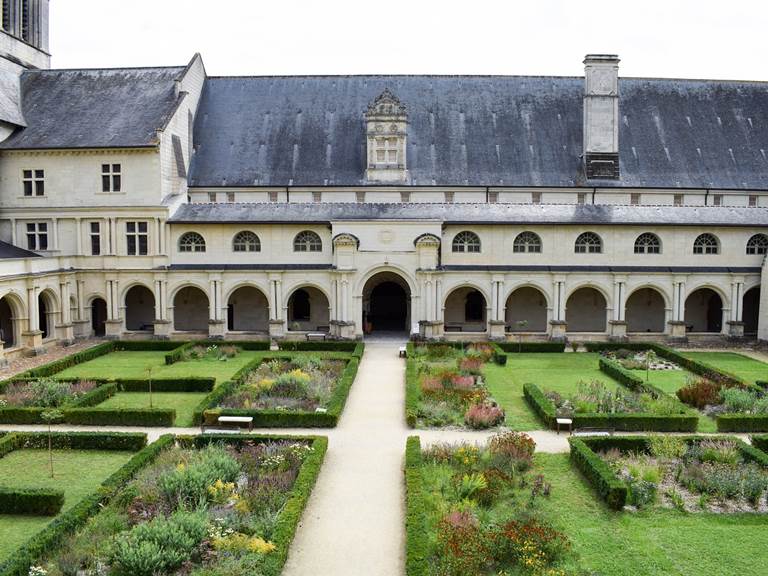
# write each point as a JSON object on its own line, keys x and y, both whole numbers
{"x": 521, "y": 326}
{"x": 650, "y": 358}
{"x": 51, "y": 416}
{"x": 149, "y": 381}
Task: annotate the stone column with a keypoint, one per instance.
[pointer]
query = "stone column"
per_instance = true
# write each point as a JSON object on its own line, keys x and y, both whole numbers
{"x": 33, "y": 337}
{"x": 113, "y": 327}
{"x": 496, "y": 322}
{"x": 736, "y": 319}
{"x": 216, "y": 326}
{"x": 65, "y": 331}
{"x": 276, "y": 322}
{"x": 558, "y": 325}
{"x": 677, "y": 331}
{"x": 618, "y": 323}
{"x": 162, "y": 326}
{"x": 82, "y": 327}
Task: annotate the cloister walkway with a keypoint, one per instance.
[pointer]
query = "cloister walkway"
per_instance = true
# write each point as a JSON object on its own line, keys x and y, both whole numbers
{"x": 354, "y": 521}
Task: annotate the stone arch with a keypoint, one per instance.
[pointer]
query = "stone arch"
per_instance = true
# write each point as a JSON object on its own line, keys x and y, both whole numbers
{"x": 704, "y": 310}
{"x": 139, "y": 302}
{"x": 586, "y": 310}
{"x": 97, "y": 309}
{"x": 48, "y": 309}
{"x": 527, "y": 303}
{"x": 751, "y": 310}
{"x": 386, "y": 298}
{"x": 11, "y": 312}
{"x": 646, "y": 310}
{"x": 190, "y": 309}
{"x": 247, "y": 309}
{"x": 465, "y": 309}
{"x": 308, "y": 309}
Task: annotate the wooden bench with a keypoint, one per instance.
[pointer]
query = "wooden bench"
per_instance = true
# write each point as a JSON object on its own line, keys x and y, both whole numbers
{"x": 402, "y": 352}
{"x": 593, "y": 432}
{"x": 316, "y": 335}
{"x": 228, "y": 424}
{"x": 560, "y": 422}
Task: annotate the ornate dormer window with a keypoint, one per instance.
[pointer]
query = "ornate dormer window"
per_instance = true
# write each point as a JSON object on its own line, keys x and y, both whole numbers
{"x": 386, "y": 122}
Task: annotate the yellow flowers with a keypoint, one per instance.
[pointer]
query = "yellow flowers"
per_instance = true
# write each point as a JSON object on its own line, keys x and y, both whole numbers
{"x": 238, "y": 542}
{"x": 222, "y": 492}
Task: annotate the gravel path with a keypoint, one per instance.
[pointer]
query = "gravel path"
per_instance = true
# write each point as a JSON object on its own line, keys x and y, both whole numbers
{"x": 53, "y": 352}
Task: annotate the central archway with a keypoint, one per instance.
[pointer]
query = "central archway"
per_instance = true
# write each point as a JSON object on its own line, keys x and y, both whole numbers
{"x": 386, "y": 303}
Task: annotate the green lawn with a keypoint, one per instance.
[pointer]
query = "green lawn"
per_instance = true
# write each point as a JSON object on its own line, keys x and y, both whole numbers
{"x": 124, "y": 364}
{"x": 561, "y": 372}
{"x": 77, "y": 472}
{"x": 650, "y": 543}
{"x": 742, "y": 366}
{"x": 183, "y": 402}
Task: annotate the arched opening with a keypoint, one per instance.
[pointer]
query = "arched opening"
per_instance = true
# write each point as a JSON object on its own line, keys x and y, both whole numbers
{"x": 751, "y": 311}
{"x": 98, "y": 316}
{"x": 248, "y": 310}
{"x": 46, "y": 309}
{"x": 465, "y": 311}
{"x": 9, "y": 328}
{"x": 308, "y": 311}
{"x": 704, "y": 311}
{"x": 526, "y": 310}
{"x": 645, "y": 311}
{"x": 585, "y": 311}
{"x": 190, "y": 310}
{"x": 386, "y": 303}
{"x": 139, "y": 309}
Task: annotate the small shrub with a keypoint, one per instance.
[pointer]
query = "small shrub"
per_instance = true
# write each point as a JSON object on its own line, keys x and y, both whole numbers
{"x": 515, "y": 448}
{"x": 482, "y": 416}
{"x": 700, "y": 393}
{"x": 462, "y": 545}
{"x": 531, "y": 543}
{"x": 667, "y": 447}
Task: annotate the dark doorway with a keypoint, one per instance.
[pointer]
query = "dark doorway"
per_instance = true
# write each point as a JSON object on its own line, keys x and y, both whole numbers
{"x": 704, "y": 311}
{"x": 386, "y": 304}
{"x": 751, "y": 311}
{"x": 7, "y": 326}
{"x": 98, "y": 316}
{"x": 42, "y": 316}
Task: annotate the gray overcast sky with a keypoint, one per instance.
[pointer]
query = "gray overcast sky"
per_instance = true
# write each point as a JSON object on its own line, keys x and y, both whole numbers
{"x": 670, "y": 38}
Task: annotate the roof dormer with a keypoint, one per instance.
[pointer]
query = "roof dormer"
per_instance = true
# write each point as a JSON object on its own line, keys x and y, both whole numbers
{"x": 386, "y": 122}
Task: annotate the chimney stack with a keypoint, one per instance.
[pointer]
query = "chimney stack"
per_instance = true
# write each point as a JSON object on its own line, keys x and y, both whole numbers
{"x": 601, "y": 116}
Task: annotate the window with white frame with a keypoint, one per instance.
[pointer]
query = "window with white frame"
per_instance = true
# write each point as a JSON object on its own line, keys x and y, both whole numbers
{"x": 677, "y": 200}
{"x": 386, "y": 151}
{"x": 466, "y": 241}
{"x": 37, "y": 235}
{"x": 137, "y": 238}
{"x": 536, "y": 197}
{"x": 588, "y": 243}
{"x": 752, "y": 200}
{"x": 758, "y": 244}
{"x": 230, "y": 196}
{"x": 111, "y": 178}
{"x": 717, "y": 199}
{"x": 634, "y": 198}
{"x": 95, "y": 233}
{"x": 581, "y": 198}
{"x": 706, "y": 244}
{"x": 307, "y": 241}
{"x": 33, "y": 182}
{"x": 527, "y": 242}
{"x": 246, "y": 241}
{"x": 647, "y": 243}
{"x": 191, "y": 242}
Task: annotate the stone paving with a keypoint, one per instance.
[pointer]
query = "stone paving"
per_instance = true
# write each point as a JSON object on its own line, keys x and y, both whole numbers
{"x": 53, "y": 352}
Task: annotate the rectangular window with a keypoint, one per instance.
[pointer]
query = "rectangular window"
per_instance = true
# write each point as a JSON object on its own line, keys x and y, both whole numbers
{"x": 317, "y": 196}
{"x": 360, "y": 196}
{"x": 493, "y": 197}
{"x": 37, "y": 236}
{"x": 33, "y": 182}
{"x": 137, "y": 238}
{"x": 230, "y": 196}
{"x": 752, "y": 201}
{"x": 111, "y": 180}
{"x": 634, "y": 199}
{"x": 273, "y": 196}
{"x": 536, "y": 197}
{"x": 212, "y": 197}
{"x": 7, "y": 15}
{"x": 405, "y": 197}
{"x": 678, "y": 200}
{"x": 449, "y": 197}
{"x": 581, "y": 198}
{"x": 717, "y": 200}
{"x": 95, "y": 238}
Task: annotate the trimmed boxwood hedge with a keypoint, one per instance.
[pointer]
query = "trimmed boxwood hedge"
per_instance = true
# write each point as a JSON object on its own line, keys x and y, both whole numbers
{"x": 545, "y": 409}
{"x": 416, "y": 539}
{"x": 118, "y": 441}
{"x": 514, "y": 347}
{"x": 208, "y": 411}
{"x": 310, "y": 346}
{"x": 164, "y": 417}
{"x": 760, "y": 441}
{"x": 412, "y": 390}
{"x": 192, "y": 384}
{"x": 31, "y": 501}
{"x": 627, "y": 378}
{"x": 53, "y": 535}
{"x": 612, "y": 490}
{"x": 742, "y": 423}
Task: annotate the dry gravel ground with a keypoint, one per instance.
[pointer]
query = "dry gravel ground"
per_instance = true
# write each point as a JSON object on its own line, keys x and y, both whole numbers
{"x": 53, "y": 352}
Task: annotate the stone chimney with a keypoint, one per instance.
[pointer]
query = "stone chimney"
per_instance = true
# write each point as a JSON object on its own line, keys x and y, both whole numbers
{"x": 601, "y": 116}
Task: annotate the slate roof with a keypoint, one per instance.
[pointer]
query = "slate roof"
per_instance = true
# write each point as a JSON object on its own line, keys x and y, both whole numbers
{"x": 479, "y": 130}
{"x": 8, "y": 251}
{"x": 122, "y": 107}
{"x": 469, "y": 213}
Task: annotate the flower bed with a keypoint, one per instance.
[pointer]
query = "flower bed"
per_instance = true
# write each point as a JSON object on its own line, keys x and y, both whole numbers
{"x": 445, "y": 387}
{"x": 691, "y": 474}
{"x": 205, "y": 506}
{"x": 477, "y": 511}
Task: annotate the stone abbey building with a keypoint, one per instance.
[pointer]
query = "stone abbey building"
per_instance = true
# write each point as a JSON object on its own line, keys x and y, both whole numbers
{"x": 163, "y": 202}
